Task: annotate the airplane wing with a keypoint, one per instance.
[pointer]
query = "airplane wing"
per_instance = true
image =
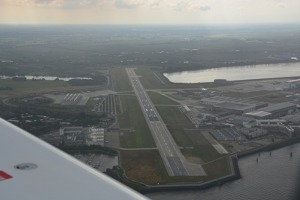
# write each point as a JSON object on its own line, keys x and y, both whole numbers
{"x": 31, "y": 169}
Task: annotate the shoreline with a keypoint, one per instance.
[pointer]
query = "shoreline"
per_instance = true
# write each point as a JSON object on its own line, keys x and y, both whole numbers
{"x": 235, "y": 172}
{"x": 233, "y": 66}
{"x": 228, "y": 66}
{"x": 270, "y": 147}
{"x": 235, "y": 175}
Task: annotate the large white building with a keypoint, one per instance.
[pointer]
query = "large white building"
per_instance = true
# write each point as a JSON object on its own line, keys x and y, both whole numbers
{"x": 95, "y": 136}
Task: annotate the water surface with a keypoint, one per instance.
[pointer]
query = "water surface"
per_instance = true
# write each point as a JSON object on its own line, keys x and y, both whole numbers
{"x": 236, "y": 73}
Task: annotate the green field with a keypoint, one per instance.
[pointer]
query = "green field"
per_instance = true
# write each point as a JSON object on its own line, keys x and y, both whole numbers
{"x": 28, "y": 87}
{"x": 149, "y": 169}
{"x": 202, "y": 147}
{"x": 137, "y": 134}
{"x": 205, "y": 152}
{"x": 119, "y": 80}
{"x": 149, "y": 80}
{"x": 217, "y": 168}
{"x": 176, "y": 123}
{"x": 159, "y": 99}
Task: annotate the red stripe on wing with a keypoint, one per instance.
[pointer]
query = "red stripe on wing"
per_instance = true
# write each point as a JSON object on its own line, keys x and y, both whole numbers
{"x": 4, "y": 176}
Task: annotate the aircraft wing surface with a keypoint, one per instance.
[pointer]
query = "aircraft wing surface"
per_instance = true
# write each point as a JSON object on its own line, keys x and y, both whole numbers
{"x": 31, "y": 169}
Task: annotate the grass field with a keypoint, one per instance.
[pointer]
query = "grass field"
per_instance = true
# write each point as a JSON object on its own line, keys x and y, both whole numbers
{"x": 176, "y": 123}
{"x": 158, "y": 99}
{"x": 29, "y": 87}
{"x": 202, "y": 147}
{"x": 205, "y": 152}
{"x": 214, "y": 164}
{"x": 147, "y": 166}
{"x": 217, "y": 168}
{"x": 119, "y": 80}
{"x": 150, "y": 81}
{"x": 132, "y": 118}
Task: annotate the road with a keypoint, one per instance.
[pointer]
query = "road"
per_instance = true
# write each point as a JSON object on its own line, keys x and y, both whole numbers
{"x": 172, "y": 157}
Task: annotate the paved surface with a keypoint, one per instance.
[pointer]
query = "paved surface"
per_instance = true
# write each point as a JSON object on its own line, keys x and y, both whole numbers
{"x": 106, "y": 104}
{"x": 80, "y": 98}
{"x": 71, "y": 99}
{"x": 172, "y": 157}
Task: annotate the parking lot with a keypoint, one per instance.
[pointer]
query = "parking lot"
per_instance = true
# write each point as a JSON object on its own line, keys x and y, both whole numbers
{"x": 256, "y": 85}
{"x": 98, "y": 161}
{"x": 77, "y": 98}
{"x": 107, "y": 104}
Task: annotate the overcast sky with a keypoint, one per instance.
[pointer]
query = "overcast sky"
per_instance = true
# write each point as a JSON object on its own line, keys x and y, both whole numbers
{"x": 148, "y": 11}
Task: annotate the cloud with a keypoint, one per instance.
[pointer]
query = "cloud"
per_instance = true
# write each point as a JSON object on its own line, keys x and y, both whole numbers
{"x": 44, "y": 1}
{"x": 128, "y": 4}
{"x": 179, "y": 5}
{"x": 190, "y": 5}
{"x": 63, "y": 4}
{"x": 281, "y": 5}
{"x": 205, "y": 8}
{"x": 155, "y": 4}
{"x": 74, "y": 4}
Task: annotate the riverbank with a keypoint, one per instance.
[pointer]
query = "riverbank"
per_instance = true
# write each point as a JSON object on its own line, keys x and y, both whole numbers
{"x": 119, "y": 174}
{"x": 235, "y": 173}
{"x": 265, "y": 177}
{"x": 270, "y": 147}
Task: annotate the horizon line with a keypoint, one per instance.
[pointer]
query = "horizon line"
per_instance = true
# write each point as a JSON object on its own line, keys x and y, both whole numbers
{"x": 149, "y": 24}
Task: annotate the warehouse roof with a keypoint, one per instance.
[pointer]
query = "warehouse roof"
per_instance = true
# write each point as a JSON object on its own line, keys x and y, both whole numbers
{"x": 277, "y": 107}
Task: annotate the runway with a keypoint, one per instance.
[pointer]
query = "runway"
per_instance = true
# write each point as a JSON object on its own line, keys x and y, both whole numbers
{"x": 172, "y": 157}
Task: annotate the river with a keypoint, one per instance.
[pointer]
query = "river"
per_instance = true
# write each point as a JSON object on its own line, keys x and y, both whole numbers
{"x": 236, "y": 73}
{"x": 274, "y": 177}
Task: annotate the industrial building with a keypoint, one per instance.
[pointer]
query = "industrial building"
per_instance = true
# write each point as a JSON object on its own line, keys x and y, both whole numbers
{"x": 251, "y": 133}
{"x": 221, "y": 81}
{"x": 274, "y": 111}
{"x": 293, "y": 118}
{"x": 70, "y": 130}
{"x": 214, "y": 115}
{"x": 281, "y": 109}
{"x": 95, "y": 136}
{"x": 186, "y": 108}
{"x": 259, "y": 115}
{"x": 234, "y": 107}
{"x": 228, "y": 134}
{"x": 276, "y": 125}
{"x": 72, "y": 136}
{"x": 242, "y": 121}
{"x": 221, "y": 99}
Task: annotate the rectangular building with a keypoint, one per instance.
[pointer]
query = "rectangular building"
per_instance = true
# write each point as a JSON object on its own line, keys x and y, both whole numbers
{"x": 234, "y": 107}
